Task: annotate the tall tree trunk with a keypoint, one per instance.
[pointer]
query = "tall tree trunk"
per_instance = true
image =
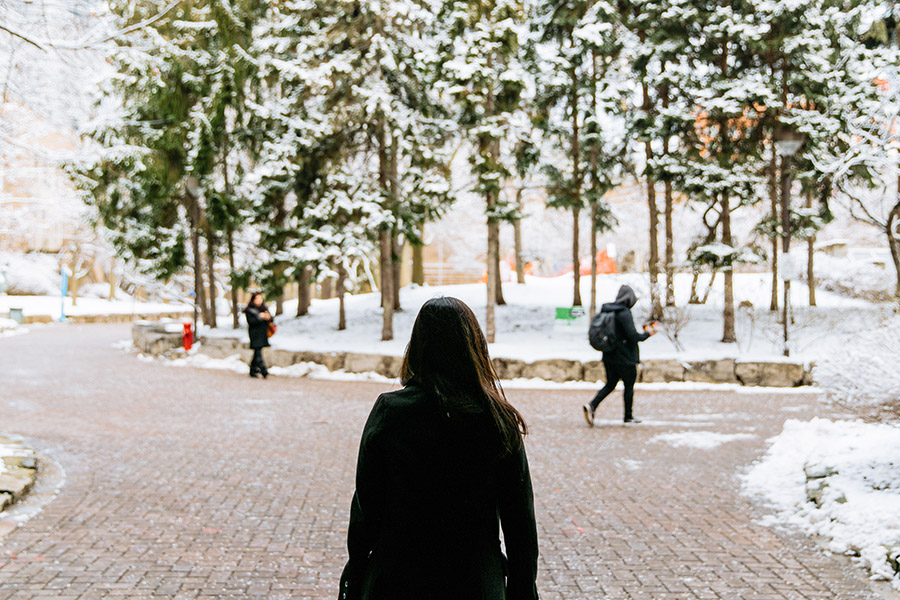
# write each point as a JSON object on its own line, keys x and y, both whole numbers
{"x": 728, "y": 308}
{"x": 199, "y": 292}
{"x": 655, "y": 303}
{"x": 576, "y": 259}
{"x": 235, "y": 313}
{"x": 418, "y": 259}
{"x": 576, "y": 208}
{"x": 893, "y": 235}
{"x": 593, "y": 306}
{"x": 396, "y": 247}
{"x": 694, "y": 299}
{"x": 211, "y": 270}
{"x": 396, "y": 265}
{"x": 773, "y": 199}
{"x": 810, "y": 251}
{"x": 342, "y": 316}
{"x": 493, "y": 252}
{"x": 712, "y": 281}
{"x": 670, "y": 242}
{"x": 303, "y": 291}
{"x": 386, "y": 268}
{"x": 501, "y": 301}
{"x": 517, "y": 238}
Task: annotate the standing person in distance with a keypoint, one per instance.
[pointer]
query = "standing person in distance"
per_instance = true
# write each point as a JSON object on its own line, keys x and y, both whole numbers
{"x": 623, "y": 356}
{"x": 258, "y": 321}
{"x": 441, "y": 469}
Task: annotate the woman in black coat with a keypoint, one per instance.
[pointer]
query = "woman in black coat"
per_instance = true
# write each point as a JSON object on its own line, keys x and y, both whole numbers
{"x": 441, "y": 469}
{"x": 258, "y": 319}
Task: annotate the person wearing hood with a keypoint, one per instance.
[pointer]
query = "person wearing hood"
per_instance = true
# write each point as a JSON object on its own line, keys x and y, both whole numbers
{"x": 621, "y": 362}
{"x": 258, "y": 319}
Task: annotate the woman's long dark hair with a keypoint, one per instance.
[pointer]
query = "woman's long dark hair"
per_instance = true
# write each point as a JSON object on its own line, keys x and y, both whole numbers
{"x": 261, "y": 308}
{"x": 448, "y": 355}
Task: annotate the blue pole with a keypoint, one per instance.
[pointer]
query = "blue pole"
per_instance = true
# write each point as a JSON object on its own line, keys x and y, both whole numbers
{"x": 64, "y": 288}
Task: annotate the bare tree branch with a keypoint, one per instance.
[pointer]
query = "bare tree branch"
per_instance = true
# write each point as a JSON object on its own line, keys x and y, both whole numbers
{"x": 46, "y": 45}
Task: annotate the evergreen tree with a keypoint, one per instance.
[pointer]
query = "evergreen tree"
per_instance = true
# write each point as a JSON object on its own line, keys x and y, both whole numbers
{"x": 577, "y": 41}
{"x": 482, "y": 73}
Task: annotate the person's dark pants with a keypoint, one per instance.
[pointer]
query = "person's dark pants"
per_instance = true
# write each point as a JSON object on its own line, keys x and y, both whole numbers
{"x": 616, "y": 372}
{"x": 257, "y": 365}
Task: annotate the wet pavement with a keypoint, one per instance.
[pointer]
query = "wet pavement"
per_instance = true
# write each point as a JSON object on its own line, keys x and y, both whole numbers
{"x": 190, "y": 483}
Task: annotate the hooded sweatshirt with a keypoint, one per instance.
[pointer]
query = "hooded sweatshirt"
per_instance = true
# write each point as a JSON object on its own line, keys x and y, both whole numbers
{"x": 626, "y": 351}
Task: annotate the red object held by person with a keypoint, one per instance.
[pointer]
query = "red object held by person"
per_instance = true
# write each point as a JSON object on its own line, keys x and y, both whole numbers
{"x": 188, "y": 337}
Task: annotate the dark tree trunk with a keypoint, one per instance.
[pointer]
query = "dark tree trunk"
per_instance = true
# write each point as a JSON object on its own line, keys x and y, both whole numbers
{"x": 653, "y": 265}
{"x": 517, "y": 239}
{"x": 211, "y": 270}
{"x": 728, "y": 308}
{"x": 199, "y": 293}
{"x": 384, "y": 237}
{"x": 893, "y": 234}
{"x": 810, "y": 252}
{"x": 593, "y": 306}
{"x": 396, "y": 265}
{"x": 773, "y": 199}
{"x": 342, "y": 316}
{"x": 670, "y": 243}
{"x": 418, "y": 260}
{"x": 501, "y": 301}
{"x": 303, "y": 291}
{"x": 576, "y": 259}
{"x": 235, "y": 313}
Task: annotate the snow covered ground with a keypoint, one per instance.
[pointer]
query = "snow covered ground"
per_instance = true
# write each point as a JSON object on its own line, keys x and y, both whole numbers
{"x": 840, "y": 480}
{"x": 526, "y": 328}
{"x": 52, "y": 305}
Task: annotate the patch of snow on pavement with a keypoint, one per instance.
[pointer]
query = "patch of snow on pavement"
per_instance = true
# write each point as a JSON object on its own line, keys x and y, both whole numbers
{"x": 702, "y": 440}
{"x": 852, "y": 470}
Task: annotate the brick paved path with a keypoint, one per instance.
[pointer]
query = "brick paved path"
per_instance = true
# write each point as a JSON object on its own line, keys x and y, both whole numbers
{"x": 187, "y": 483}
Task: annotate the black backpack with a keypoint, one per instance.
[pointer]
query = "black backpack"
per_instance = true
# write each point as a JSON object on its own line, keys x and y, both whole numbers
{"x": 602, "y": 333}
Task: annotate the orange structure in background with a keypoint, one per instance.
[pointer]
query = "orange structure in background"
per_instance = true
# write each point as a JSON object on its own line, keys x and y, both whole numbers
{"x": 605, "y": 265}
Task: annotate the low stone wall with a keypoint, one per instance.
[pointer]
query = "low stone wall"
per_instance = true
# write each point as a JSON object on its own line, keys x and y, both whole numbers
{"x": 725, "y": 370}
{"x": 114, "y": 318}
{"x": 157, "y": 338}
{"x": 19, "y": 467}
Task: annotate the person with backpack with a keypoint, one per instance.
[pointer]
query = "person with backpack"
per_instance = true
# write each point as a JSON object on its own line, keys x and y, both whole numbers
{"x": 612, "y": 332}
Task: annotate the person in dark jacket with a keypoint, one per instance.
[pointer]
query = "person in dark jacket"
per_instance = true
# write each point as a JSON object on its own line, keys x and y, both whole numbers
{"x": 441, "y": 469}
{"x": 621, "y": 362}
{"x": 258, "y": 319}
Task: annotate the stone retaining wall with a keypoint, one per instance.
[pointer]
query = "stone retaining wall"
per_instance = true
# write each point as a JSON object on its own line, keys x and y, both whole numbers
{"x": 114, "y": 318}
{"x": 725, "y": 370}
{"x": 17, "y": 474}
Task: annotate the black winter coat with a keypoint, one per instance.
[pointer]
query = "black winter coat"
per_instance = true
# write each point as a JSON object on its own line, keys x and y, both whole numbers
{"x": 431, "y": 495}
{"x": 257, "y": 327}
{"x": 626, "y": 350}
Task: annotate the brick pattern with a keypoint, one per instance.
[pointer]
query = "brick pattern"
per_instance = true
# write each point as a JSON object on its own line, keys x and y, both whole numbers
{"x": 185, "y": 483}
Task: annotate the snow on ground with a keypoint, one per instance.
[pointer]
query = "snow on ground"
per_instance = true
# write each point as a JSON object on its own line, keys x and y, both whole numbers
{"x": 52, "y": 305}
{"x": 9, "y": 450}
{"x": 9, "y": 328}
{"x": 853, "y": 468}
{"x": 867, "y": 370}
{"x": 526, "y": 328}
{"x": 32, "y": 273}
{"x": 702, "y": 440}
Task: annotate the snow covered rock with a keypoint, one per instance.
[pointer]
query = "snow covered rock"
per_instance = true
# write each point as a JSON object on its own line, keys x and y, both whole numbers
{"x": 711, "y": 371}
{"x": 662, "y": 371}
{"x": 840, "y": 480}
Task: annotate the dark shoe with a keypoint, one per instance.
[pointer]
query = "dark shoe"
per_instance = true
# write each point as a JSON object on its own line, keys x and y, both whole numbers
{"x": 633, "y": 420}
{"x": 588, "y": 414}
{"x": 254, "y": 375}
{"x": 265, "y": 374}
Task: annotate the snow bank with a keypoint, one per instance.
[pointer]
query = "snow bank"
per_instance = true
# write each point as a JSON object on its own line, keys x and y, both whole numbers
{"x": 52, "y": 306}
{"x": 867, "y": 370}
{"x": 32, "y": 274}
{"x": 858, "y": 278}
{"x": 838, "y": 479}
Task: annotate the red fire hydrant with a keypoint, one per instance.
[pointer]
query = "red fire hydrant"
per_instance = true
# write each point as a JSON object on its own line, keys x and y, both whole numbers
{"x": 188, "y": 338}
